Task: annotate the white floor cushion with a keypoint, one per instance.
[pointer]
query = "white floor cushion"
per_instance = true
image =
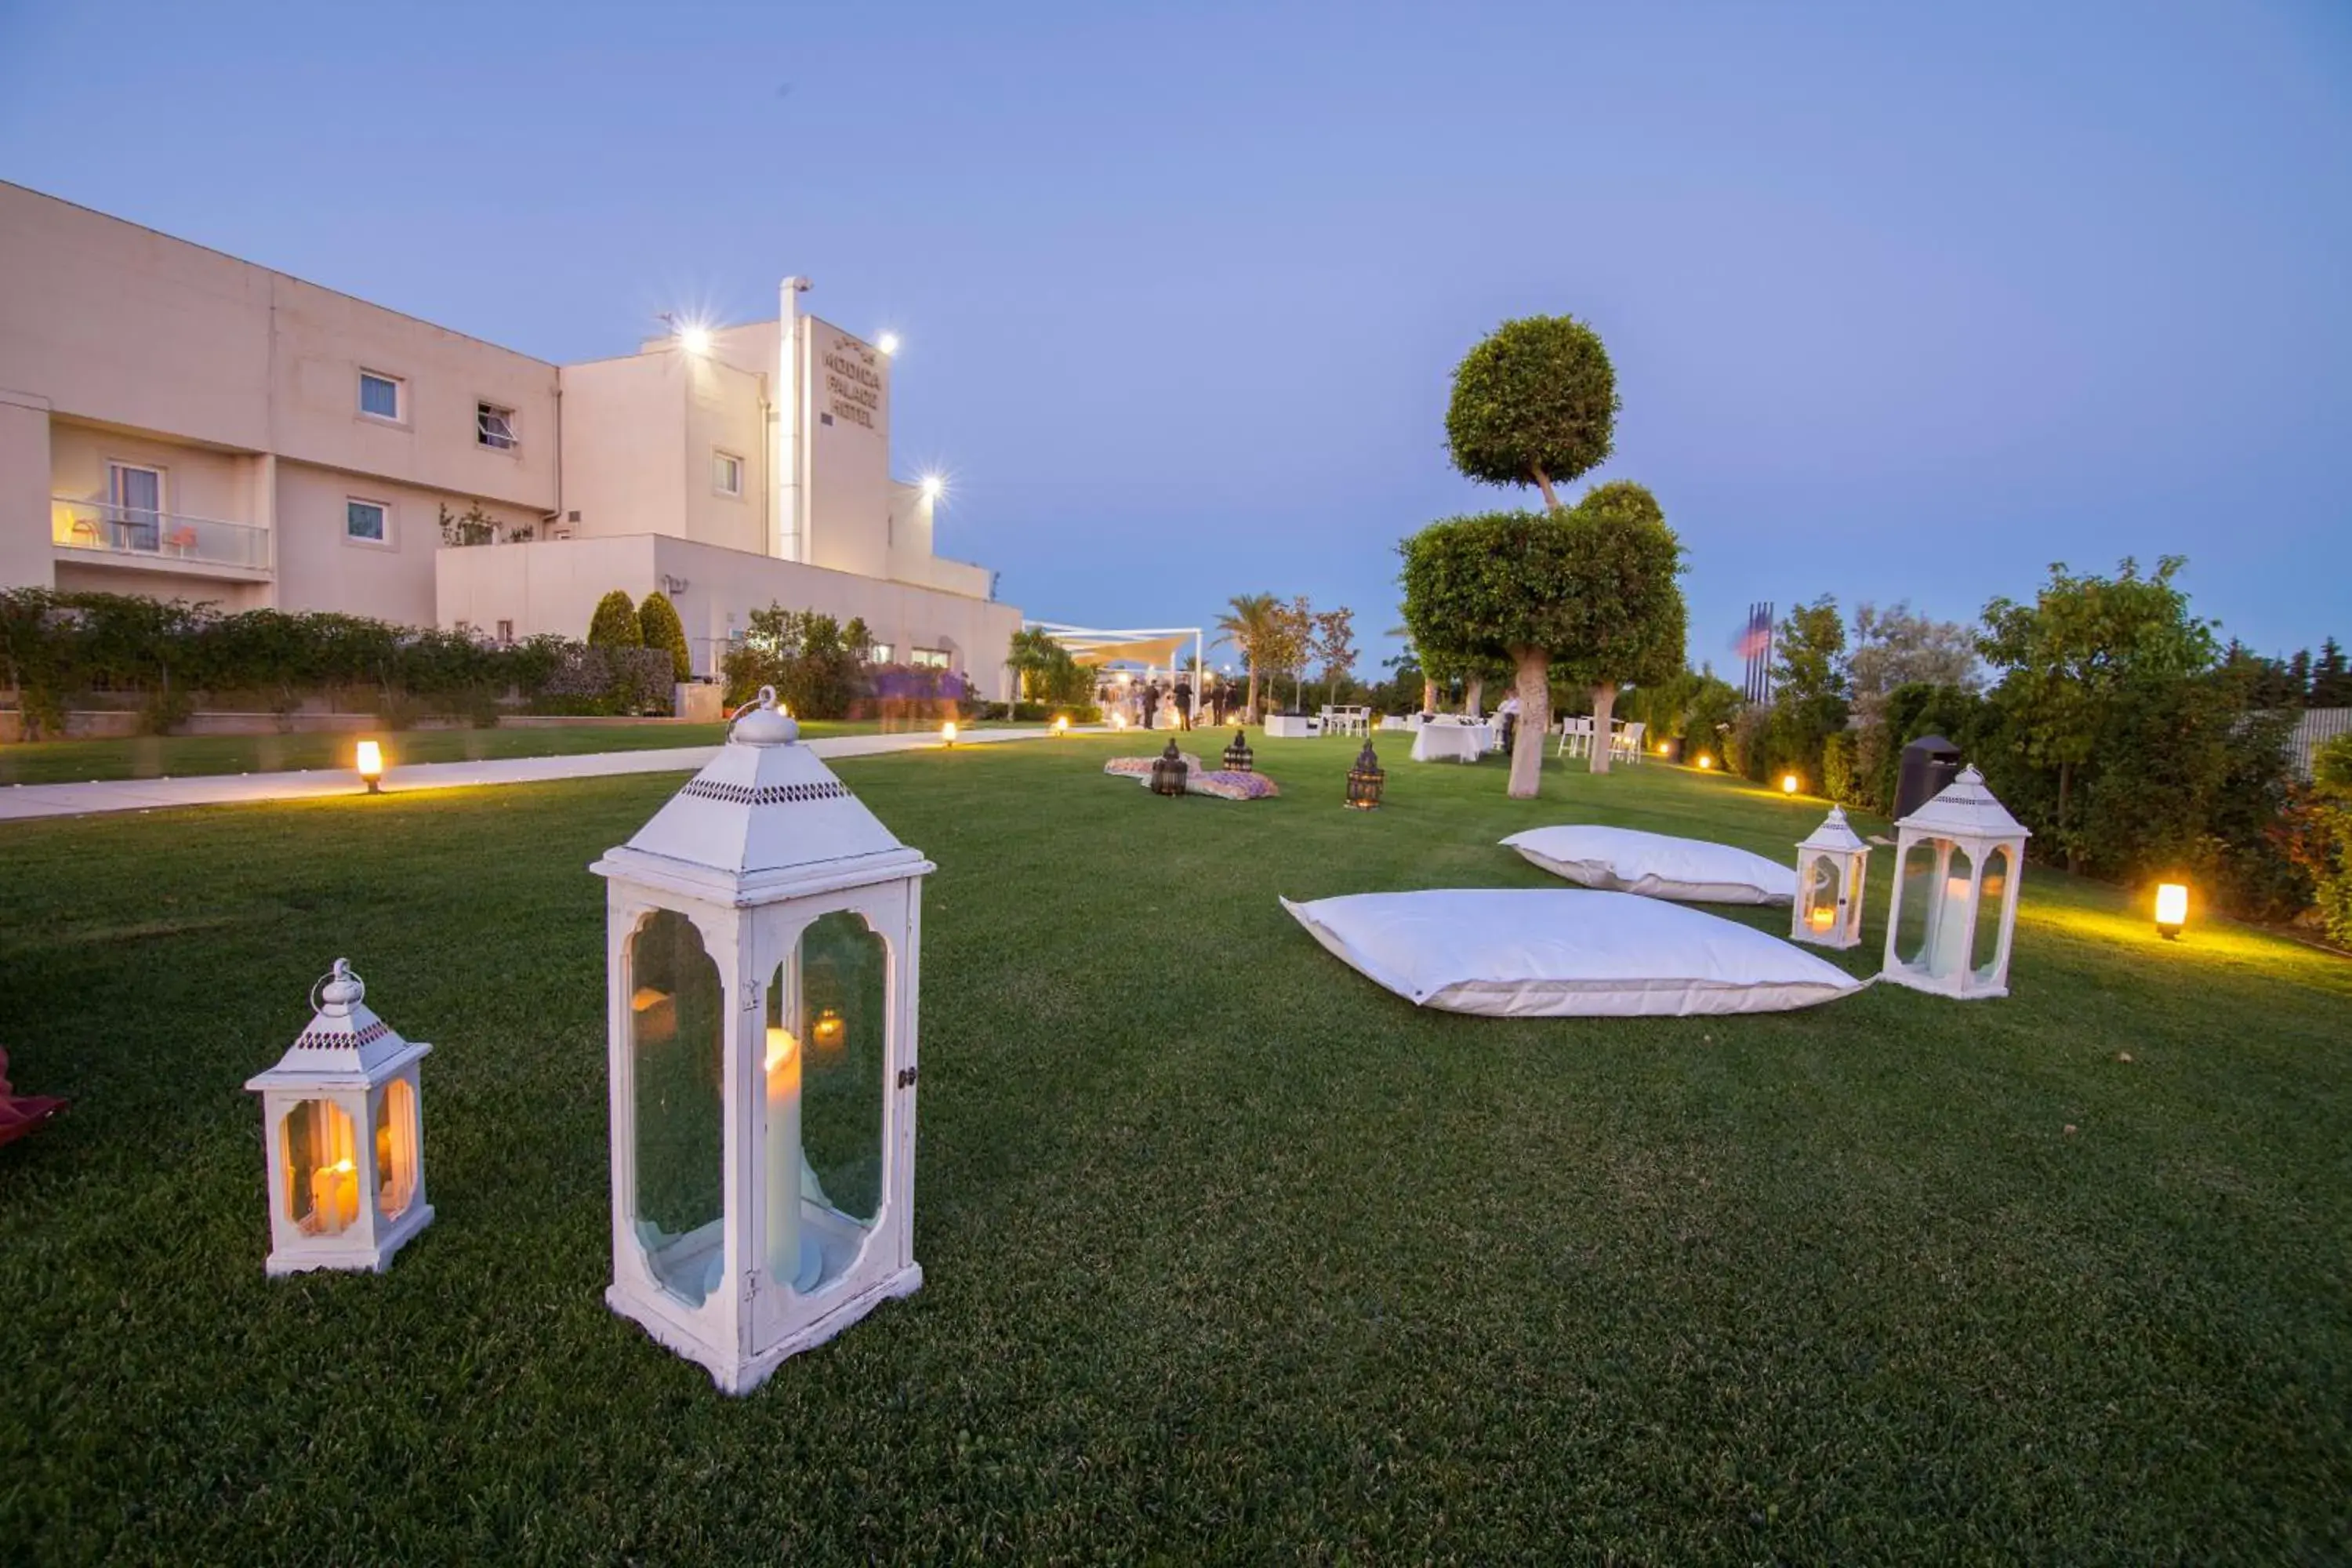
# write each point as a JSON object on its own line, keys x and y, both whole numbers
{"x": 1520, "y": 953}
{"x": 1658, "y": 865}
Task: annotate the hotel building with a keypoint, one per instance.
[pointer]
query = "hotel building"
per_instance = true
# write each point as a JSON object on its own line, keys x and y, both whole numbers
{"x": 177, "y": 423}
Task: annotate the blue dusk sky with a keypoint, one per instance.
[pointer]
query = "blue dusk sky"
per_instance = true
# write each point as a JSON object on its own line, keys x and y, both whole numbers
{"x": 1906, "y": 301}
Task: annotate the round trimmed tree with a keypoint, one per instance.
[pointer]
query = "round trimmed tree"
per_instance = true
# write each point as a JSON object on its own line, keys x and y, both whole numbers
{"x": 1631, "y": 623}
{"x": 658, "y": 625}
{"x": 614, "y": 624}
{"x": 1535, "y": 403}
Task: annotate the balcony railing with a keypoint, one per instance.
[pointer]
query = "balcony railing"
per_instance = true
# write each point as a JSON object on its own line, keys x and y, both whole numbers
{"x": 142, "y": 536}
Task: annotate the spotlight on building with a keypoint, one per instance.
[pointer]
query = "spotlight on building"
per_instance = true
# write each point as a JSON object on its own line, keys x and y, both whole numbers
{"x": 934, "y": 487}
{"x": 694, "y": 340}
{"x": 888, "y": 342}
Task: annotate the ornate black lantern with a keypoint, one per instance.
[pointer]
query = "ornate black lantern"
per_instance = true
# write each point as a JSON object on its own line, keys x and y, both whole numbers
{"x": 1365, "y": 780}
{"x": 1239, "y": 758}
{"x": 1169, "y": 771}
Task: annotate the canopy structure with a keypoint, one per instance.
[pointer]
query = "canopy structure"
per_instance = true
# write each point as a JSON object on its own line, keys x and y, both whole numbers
{"x": 1155, "y": 648}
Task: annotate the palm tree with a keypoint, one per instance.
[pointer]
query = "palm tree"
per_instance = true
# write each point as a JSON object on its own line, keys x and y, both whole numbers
{"x": 1252, "y": 618}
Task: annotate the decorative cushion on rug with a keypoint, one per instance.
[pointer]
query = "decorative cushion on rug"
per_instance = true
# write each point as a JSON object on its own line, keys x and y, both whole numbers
{"x": 1141, "y": 767}
{"x": 1523, "y": 952}
{"x": 1657, "y": 865}
{"x": 1230, "y": 786}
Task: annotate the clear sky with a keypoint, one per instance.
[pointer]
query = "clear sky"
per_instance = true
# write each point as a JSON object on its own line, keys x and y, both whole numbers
{"x": 1906, "y": 301}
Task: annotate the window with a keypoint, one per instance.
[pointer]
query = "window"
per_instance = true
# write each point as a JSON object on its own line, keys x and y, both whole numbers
{"x": 494, "y": 426}
{"x": 135, "y": 506}
{"x": 506, "y": 633}
{"x": 727, "y": 473}
{"x": 367, "y": 521}
{"x": 382, "y": 396}
{"x": 879, "y": 653}
{"x": 928, "y": 658}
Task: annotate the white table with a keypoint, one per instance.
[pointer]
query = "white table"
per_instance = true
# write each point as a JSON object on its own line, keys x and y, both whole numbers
{"x": 1463, "y": 743}
{"x": 1390, "y": 721}
{"x": 1289, "y": 727}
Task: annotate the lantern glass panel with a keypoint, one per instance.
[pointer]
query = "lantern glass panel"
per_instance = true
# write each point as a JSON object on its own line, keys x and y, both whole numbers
{"x": 396, "y": 1149}
{"x": 677, "y": 1021}
{"x": 1918, "y": 894}
{"x": 1984, "y": 957}
{"x": 828, "y": 1005}
{"x": 1820, "y": 894}
{"x": 1947, "y": 953}
{"x": 322, "y": 1181}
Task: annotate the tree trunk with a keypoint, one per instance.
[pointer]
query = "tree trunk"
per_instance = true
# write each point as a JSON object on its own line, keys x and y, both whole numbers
{"x": 1428, "y": 695}
{"x": 1249, "y": 709}
{"x": 1552, "y": 501}
{"x": 1604, "y": 702}
{"x": 1535, "y": 722}
{"x": 2065, "y": 778}
{"x": 1470, "y": 698}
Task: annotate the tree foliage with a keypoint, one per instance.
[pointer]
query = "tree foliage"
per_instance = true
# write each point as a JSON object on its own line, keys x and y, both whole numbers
{"x": 1248, "y": 624}
{"x": 1046, "y": 671}
{"x": 658, "y": 626}
{"x": 614, "y": 623}
{"x": 1534, "y": 403}
{"x": 1335, "y": 647}
{"x": 1893, "y": 646}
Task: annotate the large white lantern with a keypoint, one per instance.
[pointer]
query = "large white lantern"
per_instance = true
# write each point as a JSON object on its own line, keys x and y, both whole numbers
{"x": 1960, "y": 860}
{"x": 1831, "y": 866}
{"x": 345, "y": 1125}
{"x": 764, "y": 932}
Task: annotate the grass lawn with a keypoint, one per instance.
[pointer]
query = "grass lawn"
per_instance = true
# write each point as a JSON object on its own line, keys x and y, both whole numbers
{"x": 190, "y": 756}
{"x": 1229, "y": 1253}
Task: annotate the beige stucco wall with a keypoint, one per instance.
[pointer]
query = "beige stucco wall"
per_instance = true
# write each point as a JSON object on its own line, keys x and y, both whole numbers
{"x": 624, "y": 446}
{"x": 88, "y": 576}
{"x": 23, "y": 492}
{"x": 554, "y": 587}
{"x": 319, "y": 567}
{"x": 726, "y": 411}
{"x": 849, "y": 459}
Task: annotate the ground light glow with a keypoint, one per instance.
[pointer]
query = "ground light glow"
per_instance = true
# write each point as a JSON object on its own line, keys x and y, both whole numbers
{"x": 1788, "y": 783}
{"x": 947, "y": 734}
{"x": 370, "y": 763}
{"x": 2171, "y": 909}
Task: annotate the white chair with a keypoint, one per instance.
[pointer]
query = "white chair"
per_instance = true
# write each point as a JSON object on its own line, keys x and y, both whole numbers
{"x": 1627, "y": 742}
{"x": 1575, "y": 737}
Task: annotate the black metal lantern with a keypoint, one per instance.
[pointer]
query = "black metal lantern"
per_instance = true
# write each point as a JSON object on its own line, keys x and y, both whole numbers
{"x": 1365, "y": 780}
{"x": 1168, "y": 770}
{"x": 1239, "y": 758}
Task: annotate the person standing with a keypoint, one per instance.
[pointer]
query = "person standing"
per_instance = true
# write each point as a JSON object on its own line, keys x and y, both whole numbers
{"x": 1509, "y": 714}
{"x": 1148, "y": 699}
{"x": 1183, "y": 703}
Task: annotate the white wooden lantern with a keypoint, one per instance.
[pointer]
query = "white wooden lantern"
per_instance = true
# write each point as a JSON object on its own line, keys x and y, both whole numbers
{"x": 1831, "y": 866}
{"x": 762, "y": 949}
{"x": 1960, "y": 860}
{"x": 345, "y": 1125}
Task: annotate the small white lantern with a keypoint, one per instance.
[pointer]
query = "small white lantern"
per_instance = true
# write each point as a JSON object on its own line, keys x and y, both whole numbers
{"x": 1958, "y": 862}
{"x": 345, "y": 1121}
{"x": 1831, "y": 866}
{"x": 762, "y": 949}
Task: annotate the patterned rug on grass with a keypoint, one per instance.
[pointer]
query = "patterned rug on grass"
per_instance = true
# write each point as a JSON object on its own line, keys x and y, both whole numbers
{"x": 1199, "y": 778}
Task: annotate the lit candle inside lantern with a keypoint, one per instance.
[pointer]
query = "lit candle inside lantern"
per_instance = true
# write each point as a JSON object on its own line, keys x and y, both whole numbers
{"x": 1822, "y": 917}
{"x": 1949, "y": 954}
{"x": 783, "y": 1067}
{"x": 335, "y": 1195}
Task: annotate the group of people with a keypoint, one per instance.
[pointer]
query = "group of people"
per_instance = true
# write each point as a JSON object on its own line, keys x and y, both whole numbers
{"x": 1154, "y": 704}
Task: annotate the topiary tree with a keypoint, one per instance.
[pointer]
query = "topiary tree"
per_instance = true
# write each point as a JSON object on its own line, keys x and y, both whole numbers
{"x": 1535, "y": 402}
{"x": 1499, "y": 586}
{"x": 658, "y": 626}
{"x": 1631, "y": 623}
{"x": 614, "y": 624}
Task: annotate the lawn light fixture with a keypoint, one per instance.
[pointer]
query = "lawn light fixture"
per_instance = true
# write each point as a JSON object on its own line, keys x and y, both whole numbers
{"x": 1061, "y": 725}
{"x": 1366, "y": 780}
{"x": 1831, "y": 865}
{"x": 370, "y": 764}
{"x": 2171, "y": 910}
{"x": 344, "y": 1119}
{"x": 947, "y": 734}
{"x": 1705, "y": 761}
{"x": 762, "y": 954}
{"x": 1788, "y": 783}
{"x": 1239, "y": 758}
{"x": 1958, "y": 862}
{"x": 1169, "y": 771}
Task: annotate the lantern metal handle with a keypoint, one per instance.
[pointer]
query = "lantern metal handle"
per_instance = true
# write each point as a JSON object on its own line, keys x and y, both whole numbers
{"x": 340, "y": 979}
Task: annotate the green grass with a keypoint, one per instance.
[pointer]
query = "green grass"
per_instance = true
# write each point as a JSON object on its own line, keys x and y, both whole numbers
{"x": 190, "y": 756}
{"x": 1228, "y": 1252}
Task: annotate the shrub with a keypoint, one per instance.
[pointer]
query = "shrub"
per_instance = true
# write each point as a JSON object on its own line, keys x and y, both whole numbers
{"x": 614, "y": 624}
{"x": 1838, "y": 773}
{"x": 658, "y": 626}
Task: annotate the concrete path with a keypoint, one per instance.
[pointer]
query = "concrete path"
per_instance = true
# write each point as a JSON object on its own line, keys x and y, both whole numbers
{"x": 24, "y": 802}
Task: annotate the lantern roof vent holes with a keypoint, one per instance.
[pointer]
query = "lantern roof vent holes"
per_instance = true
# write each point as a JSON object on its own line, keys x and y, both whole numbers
{"x": 1965, "y": 809}
{"x": 345, "y": 1038}
{"x": 764, "y": 808}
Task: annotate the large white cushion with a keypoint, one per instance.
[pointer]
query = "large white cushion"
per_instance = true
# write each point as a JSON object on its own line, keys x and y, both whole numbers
{"x": 1522, "y": 952}
{"x": 1658, "y": 865}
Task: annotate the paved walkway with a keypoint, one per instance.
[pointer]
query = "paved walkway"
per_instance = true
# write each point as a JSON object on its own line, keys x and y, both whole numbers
{"x": 24, "y": 802}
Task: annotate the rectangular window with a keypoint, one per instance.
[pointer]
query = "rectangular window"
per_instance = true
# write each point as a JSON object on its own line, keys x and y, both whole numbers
{"x": 494, "y": 426}
{"x": 368, "y": 522}
{"x": 928, "y": 658}
{"x": 381, "y": 396}
{"x": 879, "y": 653}
{"x": 727, "y": 473}
{"x": 134, "y": 509}
{"x": 506, "y": 633}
